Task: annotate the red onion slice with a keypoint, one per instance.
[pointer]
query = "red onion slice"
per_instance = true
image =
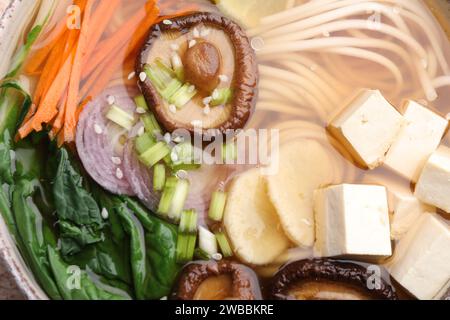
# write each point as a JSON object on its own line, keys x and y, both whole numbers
{"x": 203, "y": 182}
{"x": 97, "y": 141}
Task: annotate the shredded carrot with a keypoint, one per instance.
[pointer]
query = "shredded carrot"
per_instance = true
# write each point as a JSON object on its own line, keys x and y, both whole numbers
{"x": 38, "y": 57}
{"x": 100, "y": 78}
{"x": 101, "y": 17}
{"x": 116, "y": 41}
{"x": 50, "y": 70}
{"x": 75, "y": 77}
{"x": 90, "y": 56}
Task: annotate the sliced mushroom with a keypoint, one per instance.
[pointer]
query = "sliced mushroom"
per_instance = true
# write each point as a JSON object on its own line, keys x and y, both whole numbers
{"x": 213, "y": 280}
{"x": 326, "y": 279}
{"x": 199, "y": 71}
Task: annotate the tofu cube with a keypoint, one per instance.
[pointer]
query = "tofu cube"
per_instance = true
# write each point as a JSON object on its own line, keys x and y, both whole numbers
{"x": 406, "y": 210}
{"x": 433, "y": 186}
{"x": 352, "y": 220}
{"x": 367, "y": 127}
{"x": 421, "y": 259}
{"x": 419, "y": 138}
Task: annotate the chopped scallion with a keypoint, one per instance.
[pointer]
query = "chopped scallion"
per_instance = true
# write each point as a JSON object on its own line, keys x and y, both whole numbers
{"x": 178, "y": 199}
{"x": 144, "y": 142}
{"x": 151, "y": 124}
{"x": 167, "y": 195}
{"x": 140, "y": 102}
{"x": 207, "y": 241}
{"x": 155, "y": 154}
{"x": 187, "y": 236}
{"x": 183, "y": 96}
{"x": 159, "y": 177}
{"x": 188, "y": 222}
{"x": 173, "y": 87}
{"x": 217, "y": 205}
{"x": 224, "y": 244}
{"x": 221, "y": 97}
{"x": 120, "y": 117}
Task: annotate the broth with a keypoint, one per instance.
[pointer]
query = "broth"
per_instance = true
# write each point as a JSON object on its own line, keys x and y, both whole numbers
{"x": 304, "y": 84}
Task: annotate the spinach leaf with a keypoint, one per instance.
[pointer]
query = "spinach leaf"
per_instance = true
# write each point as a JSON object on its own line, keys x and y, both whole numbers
{"x": 15, "y": 102}
{"x": 109, "y": 258}
{"x": 153, "y": 250}
{"x": 6, "y": 180}
{"x": 80, "y": 221}
{"x": 29, "y": 224}
{"x": 6, "y": 174}
{"x": 80, "y": 284}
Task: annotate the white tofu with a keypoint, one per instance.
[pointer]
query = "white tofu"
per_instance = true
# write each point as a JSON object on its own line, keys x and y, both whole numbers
{"x": 406, "y": 210}
{"x": 352, "y": 220}
{"x": 419, "y": 138}
{"x": 433, "y": 186}
{"x": 421, "y": 259}
{"x": 367, "y": 127}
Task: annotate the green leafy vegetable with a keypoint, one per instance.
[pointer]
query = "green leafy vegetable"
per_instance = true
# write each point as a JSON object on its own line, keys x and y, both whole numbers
{"x": 29, "y": 223}
{"x": 78, "y": 284}
{"x": 15, "y": 102}
{"x": 153, "y": 250}
{"x": 80, "y": 220}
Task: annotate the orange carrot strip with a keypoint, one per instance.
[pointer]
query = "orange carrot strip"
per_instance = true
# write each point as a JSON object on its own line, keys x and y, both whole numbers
{"x": 38, "y": 57}
{"x": 47, "y": 109}
{"x": 102, "y": 75}
{"x": 75, "y": 77}
{"x": 115, "y": 42}
{"x": 50, "y": 70}
{"x": 101, "y": 19}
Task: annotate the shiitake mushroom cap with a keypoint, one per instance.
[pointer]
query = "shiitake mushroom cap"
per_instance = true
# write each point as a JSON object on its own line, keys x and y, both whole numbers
{"x": 244, "y": 84}
{"x": 347, "y": 274}
{"x": 245, "y": 284}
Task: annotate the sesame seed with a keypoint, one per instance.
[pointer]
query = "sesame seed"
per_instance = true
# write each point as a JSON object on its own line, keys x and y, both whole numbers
{"x": 167, "y": 137}
{"x": 141, "y": 131}
{"x": 119, "y": 173}
{"x": 142, "y": 76}
{"x": 116, "y": 160}
{"x": 105, "y": 213}
{"x": 217, "y": 256}
{"x": 207, "y": 100}
{"x": 196, "y": 33}
{"x": 131, "y": 75}
{"x": 224, "y": 78}
{"x": 182, "y": 174}
{"x": 174, "y": 47}
{"x": 164, "y": 298}
{"x": 140, "y": 110}
{"x": 172, "y": 108}
{"x": 206, "y": 110}
{"x": 205, "y": 32}
{"x": 98, "y": 129}
{"x": 326, "y": 34}
{"x": 110, "y": 99}
{"x": 192, "y": 43}
{"x": 167, "y": 22}
{"x": 215, "y": 94}
{"x": 257, "y": 43}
